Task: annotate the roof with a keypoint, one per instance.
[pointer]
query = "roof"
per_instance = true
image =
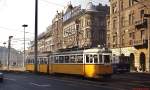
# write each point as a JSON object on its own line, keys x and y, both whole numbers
{"x": 90, "y": 7}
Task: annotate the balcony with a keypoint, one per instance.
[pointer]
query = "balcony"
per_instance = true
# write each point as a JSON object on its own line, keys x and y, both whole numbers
{"x": 140, "y": 43}
{"x": 141, "y": 24}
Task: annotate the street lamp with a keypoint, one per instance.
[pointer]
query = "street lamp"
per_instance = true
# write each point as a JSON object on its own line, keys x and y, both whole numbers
{"x": 9, "y": 47}
{"x": 25, "y": 25}
{"x": 4, "y": 44}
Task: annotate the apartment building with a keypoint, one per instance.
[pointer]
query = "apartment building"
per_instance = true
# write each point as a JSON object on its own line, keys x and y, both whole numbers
{"x": 84, "y": 28}
{"x": 57, "y": 30}
{"x": 128, "y": 31}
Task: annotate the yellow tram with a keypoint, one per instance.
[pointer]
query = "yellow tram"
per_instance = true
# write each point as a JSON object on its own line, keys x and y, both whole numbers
{"x": 92, "y": 63}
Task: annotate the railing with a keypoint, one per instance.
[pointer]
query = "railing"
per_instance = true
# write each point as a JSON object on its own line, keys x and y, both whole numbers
{"x": 141, "y": 24}
{"x": 139, "y": 42}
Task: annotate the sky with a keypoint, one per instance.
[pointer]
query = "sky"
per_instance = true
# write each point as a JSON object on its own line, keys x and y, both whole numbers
{"x": 15, "y": 13}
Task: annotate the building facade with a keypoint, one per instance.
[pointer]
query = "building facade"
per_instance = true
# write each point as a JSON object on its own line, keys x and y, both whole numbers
{"x": 73, "y": 29}
{"x": 128, "y": 31}
{"x": 57, "y": 30}
{"x": 45, "y": 43}
{"x": 84, "y": 28}
{"x": 16, "y": 58}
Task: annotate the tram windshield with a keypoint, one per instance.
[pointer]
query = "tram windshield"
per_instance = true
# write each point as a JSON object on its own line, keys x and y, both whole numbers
{"x": 91, "y": 58}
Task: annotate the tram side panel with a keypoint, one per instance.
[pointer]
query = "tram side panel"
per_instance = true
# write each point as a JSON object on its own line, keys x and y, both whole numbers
{"x": 66, "y": 64}
{"x": 43, "y": 68}
{"x": 76, "y": 69}
{"x": 97, "y": 70}
{"x": 43, "y": 65}
{"x": 30, "y": 67}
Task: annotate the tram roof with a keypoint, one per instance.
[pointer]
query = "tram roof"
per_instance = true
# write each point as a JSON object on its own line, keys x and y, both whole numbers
{"x": 43, "y": 55}
{"x": 92, "y": 50}
{"x": 68, "y": 52}
{"x": 39, "y": 55}
{"x": 97, "y": 50}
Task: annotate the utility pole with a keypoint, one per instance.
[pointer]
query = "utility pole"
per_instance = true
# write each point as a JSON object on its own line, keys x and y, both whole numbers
{"x": 36, "y": 33}
{"x": 9, "y": 47}
{"x": 24, "y": 56}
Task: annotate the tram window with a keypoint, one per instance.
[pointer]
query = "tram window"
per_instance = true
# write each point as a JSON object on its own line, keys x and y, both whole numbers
{"x": 91, "y": 58}
{"x": 61, "y": 59}
{"x": 45, "y": 61}
{"x": 42, "y": 61}
{"x": 72, "y": 59}
{"x": 33, "y": 61}
{"x": 51, "y": 59}
{"x": 38, "y": 62}
{"x": 79, "y": 59}
{"x": 95, "y": 59}
{"x": 66, "y": 59}
{"x": 106, "y": 59}
{"x": 56, "y": 59}
{"x": 87, "y": 58}
{"x": 100, "y": 59}
{"x": 28, "y": 61}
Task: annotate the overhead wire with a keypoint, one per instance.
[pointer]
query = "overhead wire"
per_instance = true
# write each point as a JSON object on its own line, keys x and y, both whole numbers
{"x": 14, "y": 30}
{"x": 52, "y": 3}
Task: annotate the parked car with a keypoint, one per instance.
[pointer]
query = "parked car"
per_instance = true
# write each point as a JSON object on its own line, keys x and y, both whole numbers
{"x": 1, "y": 76}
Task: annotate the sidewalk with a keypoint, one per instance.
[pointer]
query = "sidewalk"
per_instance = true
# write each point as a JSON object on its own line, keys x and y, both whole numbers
{"x": 20, "y": 69}
{"x": 139, "y": 72}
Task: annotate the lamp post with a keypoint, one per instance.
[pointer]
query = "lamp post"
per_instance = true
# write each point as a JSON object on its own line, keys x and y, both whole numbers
{"x": 4, "y": 54}
{"x": 9, "y": 47}
{"x": 25, "y": 25}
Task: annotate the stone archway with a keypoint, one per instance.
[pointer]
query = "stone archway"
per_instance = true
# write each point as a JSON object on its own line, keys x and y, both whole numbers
{"x": 132, "y": 62}
{"x": 142, "y": 62}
